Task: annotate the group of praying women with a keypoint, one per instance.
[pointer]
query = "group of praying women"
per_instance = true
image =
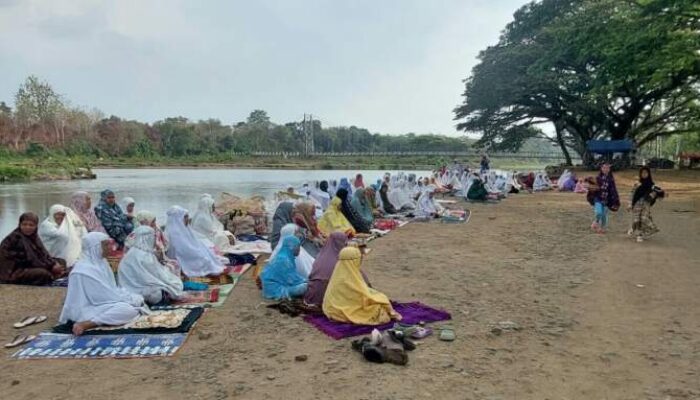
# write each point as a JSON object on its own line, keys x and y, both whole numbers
{"x": 75, "y": 241}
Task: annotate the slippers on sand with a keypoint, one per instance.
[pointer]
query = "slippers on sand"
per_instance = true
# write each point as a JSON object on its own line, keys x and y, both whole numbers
{"x": 37, "y": 319}
{"x": 447, "y": 334}
{"x": 20, "y": 340}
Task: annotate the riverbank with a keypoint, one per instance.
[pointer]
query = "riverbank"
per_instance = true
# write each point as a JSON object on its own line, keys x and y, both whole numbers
{"x": 18, "y": 169}
{"x": 595, "y": 317}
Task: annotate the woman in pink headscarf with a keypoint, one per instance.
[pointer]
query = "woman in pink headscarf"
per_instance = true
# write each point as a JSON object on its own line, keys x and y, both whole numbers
{"x": 81, "y": 203}
{"x": 359, "y": 183}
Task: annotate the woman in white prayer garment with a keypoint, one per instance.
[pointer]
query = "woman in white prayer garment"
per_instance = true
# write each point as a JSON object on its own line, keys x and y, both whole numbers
{"x": 140, "y": 271}
{"x": 208, "y": 228}
{"x": 193, "y": 256}
{"x": 93, "y": 298}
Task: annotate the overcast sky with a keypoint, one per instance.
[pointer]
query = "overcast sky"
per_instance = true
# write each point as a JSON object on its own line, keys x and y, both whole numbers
{"x": 392, "y": 66}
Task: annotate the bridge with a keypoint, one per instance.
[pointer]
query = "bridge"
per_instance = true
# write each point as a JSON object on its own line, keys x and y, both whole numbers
{"x": 449, "y": 154}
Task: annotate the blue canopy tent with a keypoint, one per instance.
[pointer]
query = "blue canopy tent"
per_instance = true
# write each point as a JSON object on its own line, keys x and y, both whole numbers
{"x": 610, "y": 146}
{"x": 606, "y": 149}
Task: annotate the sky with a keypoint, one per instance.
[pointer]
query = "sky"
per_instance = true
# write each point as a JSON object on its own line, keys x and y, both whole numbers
{"x": 391, "y": 66}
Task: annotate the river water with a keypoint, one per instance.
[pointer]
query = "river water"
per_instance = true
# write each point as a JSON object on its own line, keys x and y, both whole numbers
{"x": 157, "y": 189}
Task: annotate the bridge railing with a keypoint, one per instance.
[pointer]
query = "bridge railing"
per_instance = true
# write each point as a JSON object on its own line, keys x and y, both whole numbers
{"x": 520, "y": 155}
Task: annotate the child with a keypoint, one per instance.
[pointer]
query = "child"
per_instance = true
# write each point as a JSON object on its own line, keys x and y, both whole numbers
{"x": 644, "y": 196}
{"x": 604, "y": 198}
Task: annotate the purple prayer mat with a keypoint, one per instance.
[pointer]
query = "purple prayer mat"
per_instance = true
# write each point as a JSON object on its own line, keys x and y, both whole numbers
{"x": 412, "y": 313}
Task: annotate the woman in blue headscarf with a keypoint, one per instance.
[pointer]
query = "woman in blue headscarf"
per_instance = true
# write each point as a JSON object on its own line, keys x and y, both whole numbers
{"x": 280, "y": 279}
{"x": 345, "y": 184}
{"x": 117, "y": 224}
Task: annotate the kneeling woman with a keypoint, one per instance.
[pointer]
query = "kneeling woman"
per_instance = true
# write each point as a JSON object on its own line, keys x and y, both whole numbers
{"x": 193, "y": 256}
{"x": 93, "y": 298}
{"x": 23, "y": 258}
{"x": 348, "y": 298}
{"x": 140, "y": 271}
{"x": 280, "y": 279}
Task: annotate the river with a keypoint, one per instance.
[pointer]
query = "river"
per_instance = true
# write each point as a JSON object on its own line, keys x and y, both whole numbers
{"x": 158, "y": 189}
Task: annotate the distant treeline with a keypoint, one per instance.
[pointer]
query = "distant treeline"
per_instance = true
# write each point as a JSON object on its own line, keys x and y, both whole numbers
{"x": 43, "y": 120}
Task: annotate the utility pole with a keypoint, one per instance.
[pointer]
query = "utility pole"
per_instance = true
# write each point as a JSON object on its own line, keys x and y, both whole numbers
{"x": 308, "y": 129}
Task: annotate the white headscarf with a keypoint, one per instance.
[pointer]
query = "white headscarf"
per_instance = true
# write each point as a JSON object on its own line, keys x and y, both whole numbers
{"x": 426, "y": 204}
{"x": 93, "y": 294}
{"x": 62, "y": 241}
{"x": 540, "y": 183}
{"x": 304, "y": 261}
{"x": 194, "y": 257}
{"x": 141, "y": 272}
{"x": 207, "y": 227}
{"x": 125, "y": 203}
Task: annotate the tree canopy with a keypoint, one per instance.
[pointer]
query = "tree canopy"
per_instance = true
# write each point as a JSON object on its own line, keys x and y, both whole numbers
{"x": 588, "y": 69}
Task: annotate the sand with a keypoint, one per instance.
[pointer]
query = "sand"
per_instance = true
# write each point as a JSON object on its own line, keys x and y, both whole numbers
{"x": 598, "y": 317}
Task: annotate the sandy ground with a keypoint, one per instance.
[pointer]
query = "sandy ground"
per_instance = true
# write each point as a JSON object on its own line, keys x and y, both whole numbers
{"x": 600, "y": 317}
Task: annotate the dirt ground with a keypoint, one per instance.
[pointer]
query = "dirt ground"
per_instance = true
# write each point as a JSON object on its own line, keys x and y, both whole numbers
{"x": 599, "y": 317}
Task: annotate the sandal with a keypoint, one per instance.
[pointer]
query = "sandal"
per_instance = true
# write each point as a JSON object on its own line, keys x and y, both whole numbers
{"x": 447, "y": 334}
{"x": 20, "y": 340}
{"x": 30, "y": 321}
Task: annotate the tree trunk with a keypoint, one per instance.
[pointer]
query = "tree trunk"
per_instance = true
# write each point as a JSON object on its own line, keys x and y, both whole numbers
{"x": 562, "y": 144}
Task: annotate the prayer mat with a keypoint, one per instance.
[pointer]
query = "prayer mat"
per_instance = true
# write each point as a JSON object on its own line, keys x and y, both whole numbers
{"x": 456, "y": 216}
{"x": 412, "y": 313}
{"x": 64, "y": 346}
{"x": 161, "y": 321}
{"x": 210, "y": 295}
{"x": 257, "y": 247}
{"x": 232, "y": 274}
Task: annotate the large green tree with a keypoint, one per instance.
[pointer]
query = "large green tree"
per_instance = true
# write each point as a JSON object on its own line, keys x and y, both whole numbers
{"x": 587, "y": 69}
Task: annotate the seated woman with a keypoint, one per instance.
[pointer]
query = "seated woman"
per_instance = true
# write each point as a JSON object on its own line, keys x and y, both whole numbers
{"x": 333, "y": 220}
{"x": 384, "y": 196}
{"x": 142, "y": 273}
{"x": 427, "y": 207}
{"x": 348, "y": 298}
{"x": 528, "y": 181}
{"x": 208, "y": 228}
{"x": 23, "y": 258}
{"x": 362, "y": 207}
{"x": 350, "y": 214}
{"x": 61, "y": 233}
{"x": 303, "y": 261}
{"x": 371, "y": 195}
{"x": 115, "y": 222}
{"x": 323, "y": 269}
{"x": 93, "y": 298}
{"x": 299, "y": 214}
{"x": 81, "y": 204}
{"x": 400, "y": 198}
{"x": 541, "y": 184}
{"x": 147, "y": 218}
{"x": 580, "y": 186}
{"x": 195, "y": 258}
{"x": 128, "y": 206}
{"x": 280, "y": 279}
{"x": 477, "y": 191}
{"x": 304, "y": 216}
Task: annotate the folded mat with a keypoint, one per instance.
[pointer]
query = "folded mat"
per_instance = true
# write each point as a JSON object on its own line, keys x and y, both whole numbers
{"x": 412, "y": 313}
{"x": 161, "y": 321}
{"x": 61, "y": 346}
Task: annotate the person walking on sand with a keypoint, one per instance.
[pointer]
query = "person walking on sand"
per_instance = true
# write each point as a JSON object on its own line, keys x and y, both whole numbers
{"x": 604, "y": 198}
{"x": 644, "y": 195}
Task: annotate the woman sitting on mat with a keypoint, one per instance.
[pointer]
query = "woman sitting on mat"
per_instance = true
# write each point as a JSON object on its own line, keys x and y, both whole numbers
{"x": 140, "y": 271}
{"x": 115, "y": 222}
{"x": 360, "y": 203}
{"x": 333, "y": 220}
{"x": 23, "y": 258}
{"x": 387, "y": 207}
{"x": 280, "y": 279}
{"x": 207, "y": 227}
{"x": 61, "y": 233}
{"x": 350, "y": 214}
{"x": 427, "y": 207}
{"x": 299, "y": 214}
{"x": 323, "y": 269}
{"x": 81, "y": 204}
{"x": 348, "y": 298}
{"x": 195, "y": 258}
{"x": 303, "y": 261}
{"x": 93, "y": 298}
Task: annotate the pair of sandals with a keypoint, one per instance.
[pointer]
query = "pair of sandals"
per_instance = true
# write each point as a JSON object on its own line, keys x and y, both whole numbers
{"x": 387, "y": 347}
{"x": 23, "y": 339}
